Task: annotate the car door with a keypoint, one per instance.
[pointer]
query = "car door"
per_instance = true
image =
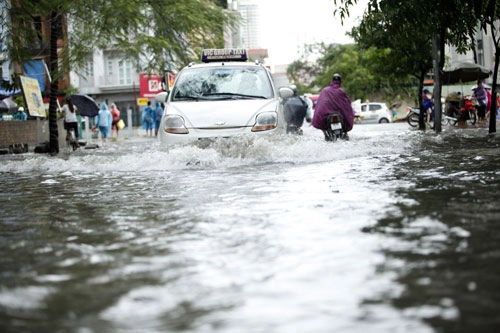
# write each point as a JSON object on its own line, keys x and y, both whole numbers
{"x": 367, "y": 115}
{"x": 374, "y": 112}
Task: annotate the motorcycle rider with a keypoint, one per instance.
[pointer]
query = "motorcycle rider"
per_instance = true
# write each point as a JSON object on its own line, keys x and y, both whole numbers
{"x": 428, "y": 104}
{"x": 295, "y": 110}
{"x": 333, "y": 99}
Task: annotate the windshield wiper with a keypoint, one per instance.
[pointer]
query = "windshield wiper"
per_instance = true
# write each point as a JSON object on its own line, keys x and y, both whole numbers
{"x": 227, "y": 95}
{"x": 189, "y": 98}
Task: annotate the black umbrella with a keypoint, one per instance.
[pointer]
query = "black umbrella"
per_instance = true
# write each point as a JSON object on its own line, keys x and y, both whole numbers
{"x": 85, "y": 104}
{"x": 395, "y": 105}
{"x": 464, "y": 72}
{"x": 8, "y": 106}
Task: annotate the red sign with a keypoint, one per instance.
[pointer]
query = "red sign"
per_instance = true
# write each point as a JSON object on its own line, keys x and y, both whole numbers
{"x": 150, "y": 85}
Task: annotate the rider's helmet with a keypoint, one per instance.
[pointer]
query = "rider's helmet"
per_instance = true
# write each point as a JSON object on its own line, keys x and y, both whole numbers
{"x": 294, "y": 88}
{"x": 21, "y": 109}
{"x": 337, "y": 77}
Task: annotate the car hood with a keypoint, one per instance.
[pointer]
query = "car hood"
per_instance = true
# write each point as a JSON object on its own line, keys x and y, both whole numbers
{"x": 221, "y": 114}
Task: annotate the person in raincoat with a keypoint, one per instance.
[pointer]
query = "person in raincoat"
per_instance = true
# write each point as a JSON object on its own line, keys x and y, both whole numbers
{"x": 333, "y": 99}
{"x": 115, "y": 113}
{"x": 158, "y": 114}
{"x": 104, "y": 120}
{"x": 148, "y": 116}
{"x": 295, "y": 110}
{"x": 482, "y": 99}
{"x": 21, "y": 115}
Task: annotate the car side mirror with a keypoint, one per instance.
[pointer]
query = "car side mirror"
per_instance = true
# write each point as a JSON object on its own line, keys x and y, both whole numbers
{"x": 286, "y": 92}
{"x": 161, "y": 97}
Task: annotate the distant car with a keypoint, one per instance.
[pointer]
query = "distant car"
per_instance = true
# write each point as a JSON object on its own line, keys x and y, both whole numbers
{"x": 372, "y": 113}
{"x": 224, "y": 96}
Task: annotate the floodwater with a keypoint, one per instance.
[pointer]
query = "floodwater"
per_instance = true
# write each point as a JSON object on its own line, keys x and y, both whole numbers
{"x": 396, "y": 230}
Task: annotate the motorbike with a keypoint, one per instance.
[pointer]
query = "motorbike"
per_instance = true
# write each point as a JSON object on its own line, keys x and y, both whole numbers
{"x": 454, "y": 114}
{"x": 335, "y": 129}
{"x": 413, "y": 113}
{"x": 71, "y": 140}
{"x": 293, "y": 129}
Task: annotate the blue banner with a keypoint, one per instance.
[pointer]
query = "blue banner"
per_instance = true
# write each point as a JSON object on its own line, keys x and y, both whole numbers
{"x": 36, "y": 69}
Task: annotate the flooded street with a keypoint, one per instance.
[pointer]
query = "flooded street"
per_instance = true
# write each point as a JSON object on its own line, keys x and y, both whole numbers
{"x": 393, "y": 231}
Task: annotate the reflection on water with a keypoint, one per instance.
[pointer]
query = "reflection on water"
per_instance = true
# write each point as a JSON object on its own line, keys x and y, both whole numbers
{"x": 394, "y": 230}
{"x": 444, "y": 234}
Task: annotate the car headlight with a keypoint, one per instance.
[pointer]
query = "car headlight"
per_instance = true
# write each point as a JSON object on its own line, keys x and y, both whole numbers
{"x": 265, "y": 121}
{"x": 175, "y": 124}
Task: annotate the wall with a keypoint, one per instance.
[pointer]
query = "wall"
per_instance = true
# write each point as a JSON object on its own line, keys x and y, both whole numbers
{"x": 17, "y": 131}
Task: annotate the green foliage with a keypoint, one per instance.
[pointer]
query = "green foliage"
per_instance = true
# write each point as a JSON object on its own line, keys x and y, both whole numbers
{"x": 366, "y": 73}
{"x": 155, "y": 35}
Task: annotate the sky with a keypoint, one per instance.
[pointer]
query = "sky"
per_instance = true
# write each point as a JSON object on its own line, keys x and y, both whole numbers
{"x": 288, "y": 25}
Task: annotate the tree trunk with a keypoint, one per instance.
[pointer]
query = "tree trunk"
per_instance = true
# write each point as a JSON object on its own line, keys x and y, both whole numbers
{"x": 421, "y": 116}
{"x": 437, "y": 85}
{"x": 494, "y": 107}
{"x": 54, "y": 85}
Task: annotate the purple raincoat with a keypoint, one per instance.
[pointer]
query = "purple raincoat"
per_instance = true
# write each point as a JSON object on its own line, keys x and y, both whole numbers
{"x": 481, "y": 96}
{"x": 333, "y": 99}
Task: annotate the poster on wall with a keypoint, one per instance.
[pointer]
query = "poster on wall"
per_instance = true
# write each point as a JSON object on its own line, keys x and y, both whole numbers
{"x": 33, "y": 96}
{"x": 150, "y": 85}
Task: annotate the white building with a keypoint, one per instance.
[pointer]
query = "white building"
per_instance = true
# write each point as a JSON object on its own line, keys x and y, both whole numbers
{"x": 108, "y": 77}
{"x": 485, "y": 52}
{"x": 250, "y": 33}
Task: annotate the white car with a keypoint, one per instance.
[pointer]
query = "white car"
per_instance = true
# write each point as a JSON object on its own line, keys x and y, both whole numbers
{"x": 372, "y": 113}
{"x": 222, "y": 97}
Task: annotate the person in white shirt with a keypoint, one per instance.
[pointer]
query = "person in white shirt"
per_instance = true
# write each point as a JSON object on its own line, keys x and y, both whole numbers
{"x": 70, "y": 120}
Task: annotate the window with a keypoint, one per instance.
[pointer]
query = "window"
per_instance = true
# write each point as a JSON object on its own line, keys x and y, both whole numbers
{"x": 110, "y": 67}
{"x": 89, "y": 67}
{"x": 125, "y": 72}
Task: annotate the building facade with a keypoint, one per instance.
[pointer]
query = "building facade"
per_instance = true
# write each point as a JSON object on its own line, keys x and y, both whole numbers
{"x": 484, "y": 51}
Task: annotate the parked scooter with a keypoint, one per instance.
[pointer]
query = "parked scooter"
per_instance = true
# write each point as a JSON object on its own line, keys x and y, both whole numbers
{"x": 413, "y": 113}
{"x": 455, "y": 114}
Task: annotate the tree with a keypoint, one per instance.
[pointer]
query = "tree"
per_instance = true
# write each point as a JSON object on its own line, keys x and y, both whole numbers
{"x": 450, "y": 21}
{"x": 361, "y": 71}
{"x": 156, "y": 35}
{"x": 488, "y": 13}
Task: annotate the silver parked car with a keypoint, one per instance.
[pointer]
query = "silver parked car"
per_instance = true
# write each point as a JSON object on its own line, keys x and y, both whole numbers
{"x": 373, "y": 113}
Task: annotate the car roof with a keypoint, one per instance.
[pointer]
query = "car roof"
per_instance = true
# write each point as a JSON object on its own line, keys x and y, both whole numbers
{"x": 381, "y": 103}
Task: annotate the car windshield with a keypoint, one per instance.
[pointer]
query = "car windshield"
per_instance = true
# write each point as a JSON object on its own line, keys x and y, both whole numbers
{"x": 225, "y": 82}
